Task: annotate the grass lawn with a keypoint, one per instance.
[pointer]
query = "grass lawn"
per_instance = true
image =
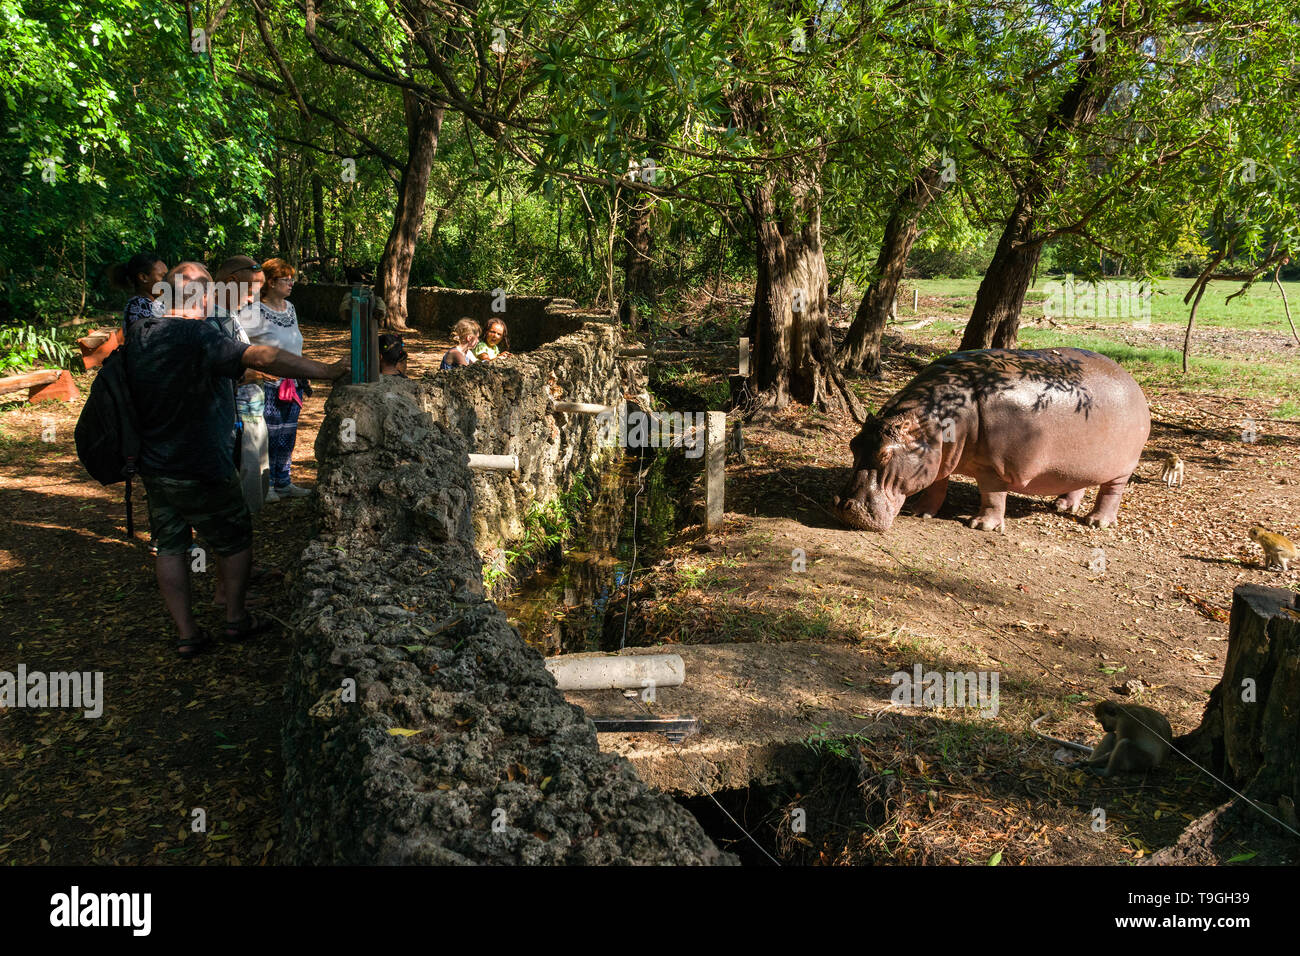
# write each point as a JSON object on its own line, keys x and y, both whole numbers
{"x": 1260, "y": 308}
{"x": 1246, "y": 365}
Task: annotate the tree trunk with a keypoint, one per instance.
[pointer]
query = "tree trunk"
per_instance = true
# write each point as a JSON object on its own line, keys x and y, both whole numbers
{"x": 318, "y": 220}
{"x": 995, "y": 320}
{"x": 789, "y": 324}
{"x": 638, "y": 276}
{"x": 638, "y": 264}
{"x": 860, "y": 350}
{"x": 1248, "y": 735}
{"x": 423, "y": 126}
{"x": 1250, "y": 728}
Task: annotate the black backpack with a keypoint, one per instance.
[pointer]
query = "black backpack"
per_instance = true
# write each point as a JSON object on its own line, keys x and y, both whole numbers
{"x": 107, "y": 437}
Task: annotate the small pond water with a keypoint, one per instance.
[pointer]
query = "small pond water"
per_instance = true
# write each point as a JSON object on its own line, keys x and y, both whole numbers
{"x": 563, "y": 607}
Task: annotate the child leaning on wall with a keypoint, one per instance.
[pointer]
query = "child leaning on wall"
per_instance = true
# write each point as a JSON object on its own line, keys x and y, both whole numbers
{"x": 495, "y": 342}
{"x": 466, "y": 333}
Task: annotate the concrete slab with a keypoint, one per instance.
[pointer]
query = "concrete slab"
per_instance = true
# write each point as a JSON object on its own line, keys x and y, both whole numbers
{"x": 758, "y": 704}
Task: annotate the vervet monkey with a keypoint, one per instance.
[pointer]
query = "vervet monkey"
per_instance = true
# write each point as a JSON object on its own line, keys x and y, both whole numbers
{"x": 1067, "y": 744}
{"x": 1137, "y": 739}
{"x": 1278, "y": 550}
{"x": 1173, "y": 471}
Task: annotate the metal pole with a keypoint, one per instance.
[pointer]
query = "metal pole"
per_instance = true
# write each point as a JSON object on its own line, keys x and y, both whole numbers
{"x": 372, "y": 339}
{"x": 358, "y": 366}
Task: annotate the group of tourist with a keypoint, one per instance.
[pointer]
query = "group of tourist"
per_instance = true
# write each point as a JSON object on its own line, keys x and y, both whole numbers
{"x": 217, "y": 379}
{"x": 250, "y": 305}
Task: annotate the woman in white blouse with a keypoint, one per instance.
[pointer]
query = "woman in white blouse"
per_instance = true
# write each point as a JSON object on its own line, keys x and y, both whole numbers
{"x": 274, "y": 321}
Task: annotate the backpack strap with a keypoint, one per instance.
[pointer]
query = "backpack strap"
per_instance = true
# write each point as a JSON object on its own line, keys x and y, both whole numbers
{"x": 130, "y": 434}
{"x": 130, "y": 511}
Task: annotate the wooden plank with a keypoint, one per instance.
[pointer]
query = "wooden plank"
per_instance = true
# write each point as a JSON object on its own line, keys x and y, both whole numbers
{"x": 16, "y": 383}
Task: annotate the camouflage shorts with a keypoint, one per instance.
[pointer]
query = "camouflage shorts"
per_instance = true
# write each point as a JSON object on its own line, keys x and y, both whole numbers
{"x": 215, "y": 509}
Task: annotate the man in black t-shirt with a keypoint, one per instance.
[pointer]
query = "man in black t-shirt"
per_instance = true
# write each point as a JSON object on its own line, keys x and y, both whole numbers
{"x": 180, "y": 371}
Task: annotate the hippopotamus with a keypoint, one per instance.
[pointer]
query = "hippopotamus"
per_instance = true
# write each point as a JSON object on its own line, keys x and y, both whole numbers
{"x": 1032, "y": 421}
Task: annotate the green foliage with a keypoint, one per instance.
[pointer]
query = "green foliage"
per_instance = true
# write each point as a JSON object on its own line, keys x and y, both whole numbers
{"x": 547, "y": 526}
{"x": 961, "y": 257}
{"x": 25, "y": 347}
{"x": 118, "y": 138}
{"x": 822, "y": 741}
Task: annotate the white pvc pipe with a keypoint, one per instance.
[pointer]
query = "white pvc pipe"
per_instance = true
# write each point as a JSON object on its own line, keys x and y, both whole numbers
{"x": 582, "y": 408}
{"x": 494, "y": 462}
{"x": 603, "y": 673}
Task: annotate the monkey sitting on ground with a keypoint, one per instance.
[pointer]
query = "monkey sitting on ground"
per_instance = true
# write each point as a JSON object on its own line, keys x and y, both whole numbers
{"x": 1172, "y": 474}
{"x": 1278, "y": 550}
{"x": 1137, "y": 739}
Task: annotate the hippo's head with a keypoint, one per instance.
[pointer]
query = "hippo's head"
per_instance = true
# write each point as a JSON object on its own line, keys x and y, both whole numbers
{"x": 893, "y": 458}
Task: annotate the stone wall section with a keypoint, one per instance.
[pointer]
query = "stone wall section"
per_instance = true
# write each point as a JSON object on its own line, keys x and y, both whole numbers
{"x": 420, "y": 728}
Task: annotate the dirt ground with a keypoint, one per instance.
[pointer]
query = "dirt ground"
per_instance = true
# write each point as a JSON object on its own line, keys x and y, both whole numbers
{"x": 179, "y": 735}
{"x": 1066, "y": 614}
{"x": 175, "y": 735}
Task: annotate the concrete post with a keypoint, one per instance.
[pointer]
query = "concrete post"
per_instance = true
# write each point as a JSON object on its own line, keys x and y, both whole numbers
{"x": 715, "y": 470}
{"x": 581, "y": 408}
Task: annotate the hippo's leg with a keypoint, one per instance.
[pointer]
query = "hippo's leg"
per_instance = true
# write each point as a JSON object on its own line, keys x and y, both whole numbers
{"x": 1106, "y": 510}
{"x": 993, "y": 505}
{"x": 1066, "y": 504}
{"x": 928, "y": 502}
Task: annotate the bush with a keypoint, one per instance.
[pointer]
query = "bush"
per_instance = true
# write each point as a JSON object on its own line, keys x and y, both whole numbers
{"x": 26, "y": 347}
{"x": 968, "y": 261}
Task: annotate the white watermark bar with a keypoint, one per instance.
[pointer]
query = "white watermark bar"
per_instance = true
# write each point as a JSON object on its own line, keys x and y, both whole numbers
{"x": 38, "y": 690}
{"x": 1095, "y": 300}
{"x": 976, "y": 690}
{"x": 203, "y": 295}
